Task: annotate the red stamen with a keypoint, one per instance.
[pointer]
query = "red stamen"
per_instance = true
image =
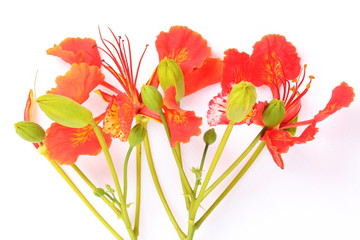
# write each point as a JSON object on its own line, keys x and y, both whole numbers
{"x": 120, "y": 53}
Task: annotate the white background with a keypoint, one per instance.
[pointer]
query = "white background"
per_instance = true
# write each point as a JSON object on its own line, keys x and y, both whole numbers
{"x": 317, "y": 196}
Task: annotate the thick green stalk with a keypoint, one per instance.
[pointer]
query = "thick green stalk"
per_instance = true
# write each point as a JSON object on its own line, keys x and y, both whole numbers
{"x": 196, "y": 204}
{"x": 125, "y": 174}
{"x": 83, "y": 198}
{"x": 93, "y": 187}
{"x": 232, "y": 184}
{"x": 138, "y": 190}
{"x": 235, "y": 164}
{"x": 184, "y": 180}
{"x": 110, "y": 163}
{"x": 216, "y": 158}
{"x": 159, "y": 189}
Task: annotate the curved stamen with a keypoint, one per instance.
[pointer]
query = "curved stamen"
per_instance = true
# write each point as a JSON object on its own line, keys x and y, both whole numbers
{"x": 120, "y": 53}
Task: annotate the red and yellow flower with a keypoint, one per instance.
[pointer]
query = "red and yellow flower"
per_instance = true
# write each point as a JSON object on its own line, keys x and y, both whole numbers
{"x": 275, "y": 63}
{"x": 64, "y": 144}
{"x": 192, "y": 54}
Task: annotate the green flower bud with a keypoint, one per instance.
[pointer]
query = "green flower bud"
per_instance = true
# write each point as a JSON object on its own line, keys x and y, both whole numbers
{"x": 136, "y": 135}
{"x": 65, "y": 111}
{"x": 170, "y": 74}
{"x": 240, "y": 101}
{"x": 99, "y": 192}
{"x": 273, "y": 113}
{"x": 30, "y": 131}
{"x": 152, "y": 98}
{"x": 210, "y": 136}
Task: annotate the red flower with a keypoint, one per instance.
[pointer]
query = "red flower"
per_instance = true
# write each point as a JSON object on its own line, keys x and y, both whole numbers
{"x": 189, "y": 49}
{"x": 275, "y": 63}
{"x": 181, "y": 44}
{"x": 65, "y": 144}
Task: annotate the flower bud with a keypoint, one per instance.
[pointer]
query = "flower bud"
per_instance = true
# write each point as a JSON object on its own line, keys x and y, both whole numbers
{"x": 152, "y": 98}
{"x": 210, "y": 136}
{"x": 65, "y": 111}
{"x": 30, "y": 131}
{"x": 240, "y": 101}
{"x": 273, "y": 113}
{"x": 170, "y": 74}
{"x": 136, "y": 135}
{"x": 99, "y": 192}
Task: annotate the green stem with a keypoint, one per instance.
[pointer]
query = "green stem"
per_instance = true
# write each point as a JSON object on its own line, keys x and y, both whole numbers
{"x": 196, "y": 204}
{"x": 216, "y": 158}
{"x": 235, "y": 164}
{"x": 198, "y": 178}
{"x": 93, "y": 187}
{"x": 138, "y": 189}
{"x": 184, "y": 180}
{"x": 110, "y": 163}
{"x": 159, "y": 189}
{"x": 83, "y": 198}
{"x": 232, "y": 184}
{"x": 125, "y": 174}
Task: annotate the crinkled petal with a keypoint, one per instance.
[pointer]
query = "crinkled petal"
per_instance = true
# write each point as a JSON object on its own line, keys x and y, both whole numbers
{"x": 216, "y": 113}
{"x": 273, "y": 150}
{"x": 119, "y": 116}
{"x": 182, "y": 124}
{"x": 237, "y": 68}
{"x": 77, "y": 50}
{"x": 275, "y": 61}
{"x": 341, "y": 97}
{"x": 65, "y": 144}
{"x": 206, "y": 75}
{"x": 279, "y": 141}
{"x": 78, "y": 82}
{"x": 186, "y": 47}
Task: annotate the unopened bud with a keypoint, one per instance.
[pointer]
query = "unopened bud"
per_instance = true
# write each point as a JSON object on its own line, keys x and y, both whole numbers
{"x": 65, "y": 111}
{"x": 210, "y": 136}
{"x": 170, "y": 74}
{"x": 152, "y": 98}
{"x": 30, "y": 131}
{"x": 273, "y": 113}
{"x": 136, "y": 135}
{"x": 99, "y": 192}
{"x": 240, "y": 101}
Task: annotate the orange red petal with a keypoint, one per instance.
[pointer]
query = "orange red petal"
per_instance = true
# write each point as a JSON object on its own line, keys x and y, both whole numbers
{"x": 187, "y": 47}
{"x": 209, "y": 73}
{"x": 78, "y": 82}
{"x": 77, "y": 50}
{"x": 65, "y": 144}
{"x": 279, "y": 141}
{"x": 237, "y": 68}
{"x": 341, "y": 97}
{"x": 182, "y": 124}
{"x": 276, "y": 60}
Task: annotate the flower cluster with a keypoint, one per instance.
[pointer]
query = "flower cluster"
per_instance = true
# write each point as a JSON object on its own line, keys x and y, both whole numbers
{"x": 185, "y": 65}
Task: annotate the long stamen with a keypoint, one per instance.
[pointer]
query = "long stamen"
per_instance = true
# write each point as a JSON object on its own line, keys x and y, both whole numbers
{"x": 130, "y": 58}
{"x": 300, "y": 95}
{"x": 120, "y": 53}
{"x": 138, "y": 66}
